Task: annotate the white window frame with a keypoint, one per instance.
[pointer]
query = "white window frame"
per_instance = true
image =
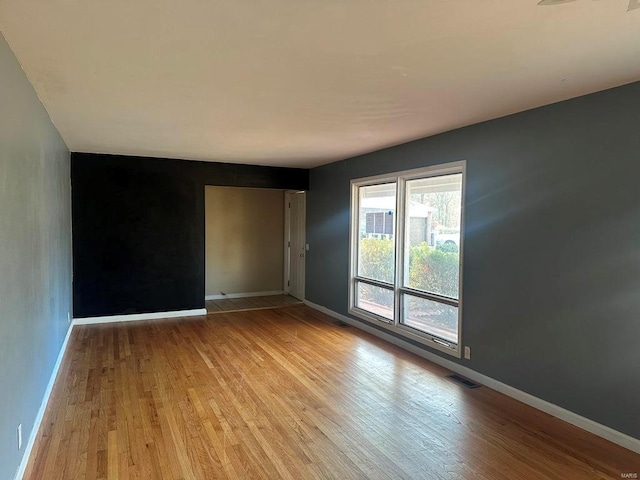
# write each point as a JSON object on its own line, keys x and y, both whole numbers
{"x": 400, "y": 179}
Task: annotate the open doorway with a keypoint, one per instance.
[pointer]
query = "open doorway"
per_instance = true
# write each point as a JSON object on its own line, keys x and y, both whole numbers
{"x": 244, "y": 238}
{"x": 295, "y": 244}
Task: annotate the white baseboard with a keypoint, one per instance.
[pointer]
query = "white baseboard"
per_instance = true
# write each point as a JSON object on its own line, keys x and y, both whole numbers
{"x": 43, "y": 407}
{"x": 139, "y": 316}
{"x": 242, "y": 295}
{"x": 579, "y": 421}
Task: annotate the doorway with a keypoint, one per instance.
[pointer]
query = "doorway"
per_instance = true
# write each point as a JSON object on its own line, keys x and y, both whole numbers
{"x": 244, "y": 237}
{"x": 295, "y": 243}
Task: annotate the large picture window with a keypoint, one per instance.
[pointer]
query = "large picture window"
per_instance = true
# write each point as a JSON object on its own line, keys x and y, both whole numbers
{"x": 406, "y": 251}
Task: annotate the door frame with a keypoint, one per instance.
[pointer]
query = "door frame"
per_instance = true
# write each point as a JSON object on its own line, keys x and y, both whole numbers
{"x": 287, "y": 240}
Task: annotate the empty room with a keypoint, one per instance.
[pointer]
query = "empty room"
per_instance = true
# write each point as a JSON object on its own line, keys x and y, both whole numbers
{"x": 320, "y": 240}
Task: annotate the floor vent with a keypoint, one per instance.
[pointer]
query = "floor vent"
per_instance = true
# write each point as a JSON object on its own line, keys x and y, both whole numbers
{"x": 342, "y": 324}
{"x": 464, "y": 381}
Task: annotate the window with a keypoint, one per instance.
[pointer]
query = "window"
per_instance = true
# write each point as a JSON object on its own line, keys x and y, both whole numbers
{"x": 380, "y": 222}
{"x": 376, "y": 251}
{"x": 406, "y": 251}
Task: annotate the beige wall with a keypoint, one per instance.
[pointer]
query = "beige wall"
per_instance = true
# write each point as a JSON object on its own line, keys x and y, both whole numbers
{"x": 244, "y": 240}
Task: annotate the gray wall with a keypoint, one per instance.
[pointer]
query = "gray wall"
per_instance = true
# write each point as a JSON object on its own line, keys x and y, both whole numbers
{"x": 552, "y": 248}
{"x": 35, "y": 255}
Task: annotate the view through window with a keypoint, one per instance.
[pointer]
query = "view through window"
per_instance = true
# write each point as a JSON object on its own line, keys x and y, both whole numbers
{"x": 376, "y": 251}
{"x": 406, "y": 263}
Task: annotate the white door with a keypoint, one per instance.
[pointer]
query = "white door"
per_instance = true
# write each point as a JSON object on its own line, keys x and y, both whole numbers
{"x": 297, "y": 252}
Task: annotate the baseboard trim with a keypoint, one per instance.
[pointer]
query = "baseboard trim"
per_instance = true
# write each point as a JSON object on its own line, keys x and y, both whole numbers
{"x": 139, "y": 316}
{"x": 568, "y": 416}
{"x": 43, "y": 408}
{"x": 243, "y": 295}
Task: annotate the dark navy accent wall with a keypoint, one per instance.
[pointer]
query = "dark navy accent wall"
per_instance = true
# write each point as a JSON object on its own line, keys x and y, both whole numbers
{"x": 138, "y": 229}
{"x": 551, "y": 289}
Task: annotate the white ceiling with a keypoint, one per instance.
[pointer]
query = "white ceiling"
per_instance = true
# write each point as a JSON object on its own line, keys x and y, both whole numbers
{"x": 306, "y": 82}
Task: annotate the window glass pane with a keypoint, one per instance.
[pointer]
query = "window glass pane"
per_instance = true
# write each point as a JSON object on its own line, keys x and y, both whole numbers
{"x": 376, "y": 232}
{"x": 432, "y": 239}
{"x": 431, "y": 317}
{"x": 375, "y": 299}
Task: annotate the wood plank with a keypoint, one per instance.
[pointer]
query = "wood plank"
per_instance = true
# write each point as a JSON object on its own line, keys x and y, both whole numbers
{"x": 211, "y": 306}
{"x": 285, "y": 393}
{"x": 250, "y": 303}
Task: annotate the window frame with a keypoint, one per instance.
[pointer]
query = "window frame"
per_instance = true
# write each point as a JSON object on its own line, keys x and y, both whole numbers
{"x": 401, "y": 259}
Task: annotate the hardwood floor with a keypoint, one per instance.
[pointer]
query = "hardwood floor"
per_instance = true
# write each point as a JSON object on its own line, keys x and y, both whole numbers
{"x": 283, "y": 393}
{"x": 250, "y": 303}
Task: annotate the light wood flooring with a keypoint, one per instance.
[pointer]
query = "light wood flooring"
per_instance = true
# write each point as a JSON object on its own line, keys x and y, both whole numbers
{"x": 250, "y": 303}
{"x": 284, "y": 393}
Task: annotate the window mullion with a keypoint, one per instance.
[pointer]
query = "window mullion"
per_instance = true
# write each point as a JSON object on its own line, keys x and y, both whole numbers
{"x": 399, "y": 238}
{"x": 376, "y": 283}
{"x": 430, "y": 296}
